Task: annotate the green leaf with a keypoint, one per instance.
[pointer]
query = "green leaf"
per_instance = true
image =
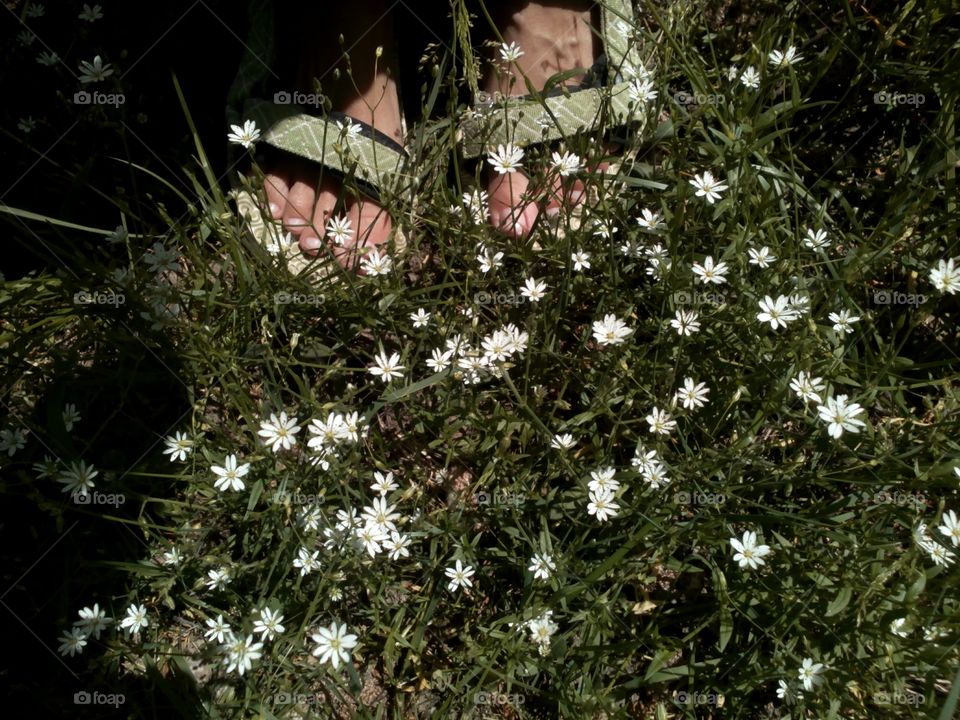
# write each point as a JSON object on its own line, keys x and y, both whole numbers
{"x": 840, "y": 601}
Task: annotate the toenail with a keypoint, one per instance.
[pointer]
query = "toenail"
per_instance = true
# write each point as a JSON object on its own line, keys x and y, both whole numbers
{"x": 310, "y": 243}
{"x": 275, "y": 210}
{"x": 518, "y": 227}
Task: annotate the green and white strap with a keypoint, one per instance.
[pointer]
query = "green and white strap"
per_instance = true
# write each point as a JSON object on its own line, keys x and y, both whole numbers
{"x": 319, "y": 139}
{"x": 529, "y": 120}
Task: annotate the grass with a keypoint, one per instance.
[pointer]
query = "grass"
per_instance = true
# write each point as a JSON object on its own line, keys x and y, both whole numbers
{"x": 652, "y": 615}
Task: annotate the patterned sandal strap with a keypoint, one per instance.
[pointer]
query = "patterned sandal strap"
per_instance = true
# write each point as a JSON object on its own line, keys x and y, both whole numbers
{"x": 371, "y": 157}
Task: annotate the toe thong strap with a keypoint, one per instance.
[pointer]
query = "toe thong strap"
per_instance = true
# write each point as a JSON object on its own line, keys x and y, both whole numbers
{"x": 344, "y": 145}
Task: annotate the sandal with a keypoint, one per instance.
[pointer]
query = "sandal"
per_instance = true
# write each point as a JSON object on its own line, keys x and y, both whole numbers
{"x": 607, "y": 98}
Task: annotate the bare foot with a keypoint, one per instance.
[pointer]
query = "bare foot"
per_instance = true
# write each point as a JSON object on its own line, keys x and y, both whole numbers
{"x": 299, "y": 192}
{"x": 554, "y": 37}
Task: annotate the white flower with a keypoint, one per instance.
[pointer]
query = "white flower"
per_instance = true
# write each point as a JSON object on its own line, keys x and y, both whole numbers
{"x": 160, "y": 259}
{"x": 946, "y": 276}
{"x": 511, "y": 52}
{"x": 951, "y": 527}
{"x": 816, "y": 240}
{"x": 799, "y": 304}
{"x": 477, "y": 202}
{"x": 420, "y": 318}
{"x": 307, "y": 561}
{"x": 748, "y": 553}
{"x": 241, "y": 652}
{"x": 566, "y": 164}
{"x": 896, "y": 627}
{"x": 78, "y": 479}
{"x": 371, "y": 536}
{"x": 70, "y": 416}
{"x": 218, "y": 630}
{"x": 178, "y": 446}
{"x": 135, "y": 620}
{"x": 384, "y": 483}
{"x": 376, "y": 263}
{"x": 246, "y": 135}
{"x": 381, "y": 515}
{"x": 840, "y": 416}
{"x": 655, "y": 475}
{"x": 693, "y": 395}
{"x": 397, "y": 545}
{"x": 761, "y": 258}
{"x": 602, "y": 482}
{"x": 562, "y": 442}
{"x": 172, "y": 557}
{"x": 534, "y": 290}
{"x": 808, "y": 388}
{"x": 348, "y": 129}
{"x": 339, "y": 230}
{"x": 641, "y": 90}
{"x": 602, "y": 506}
{"x": 95, "y": 71}
{"x": 732, "y": 73}
{"x": 939, "y": 554}
{"x": 644, "y": 459}
{"x": 782, "y": 59}
{"x": 707, "y": 187}
{"x": 650, "y": 221}
{"x": 90, "y": 14}
{"x": 581, "y": 260}
{"x": 279, "y": 432}
{"x": 810, "y": 674}
{"x": 386, "y": 368}
{"x": 660, "y": 422}
{"x": 710, "y": 273}
{"x": 73, "y": 642}
{"x": 686, "y": 322}
{"x": 541, "y": 565}
{"x": 440, "y": 360}
{"x": 218, "y": 579}
{"x": 541, "y": 630}
{"x": 333, "y": 644}
{"x": 12, "y": 440}
{"x": 329, "y": 433}
{"x": 776, "y": 312}
{"x": 269, "y": 624}
{"x": 841, "y": 321}
{"x": 750, "y": 78}
{"x": 505, "y": 159}
{"x": 610, "y": 331}
{"x": 230, "y": 475}
{"x": 459, "y": 576}
{"x": 488, "y": 259}
{"x": 93, "y": 620}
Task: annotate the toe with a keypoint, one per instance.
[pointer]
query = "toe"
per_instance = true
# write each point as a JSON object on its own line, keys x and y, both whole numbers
{"x": 276, "y": 187}
{"x": 372, "y": 225}
{"x": 511, "y": 211}
{"x": 312, "y": 237}
{"x": 301, "y": 198}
